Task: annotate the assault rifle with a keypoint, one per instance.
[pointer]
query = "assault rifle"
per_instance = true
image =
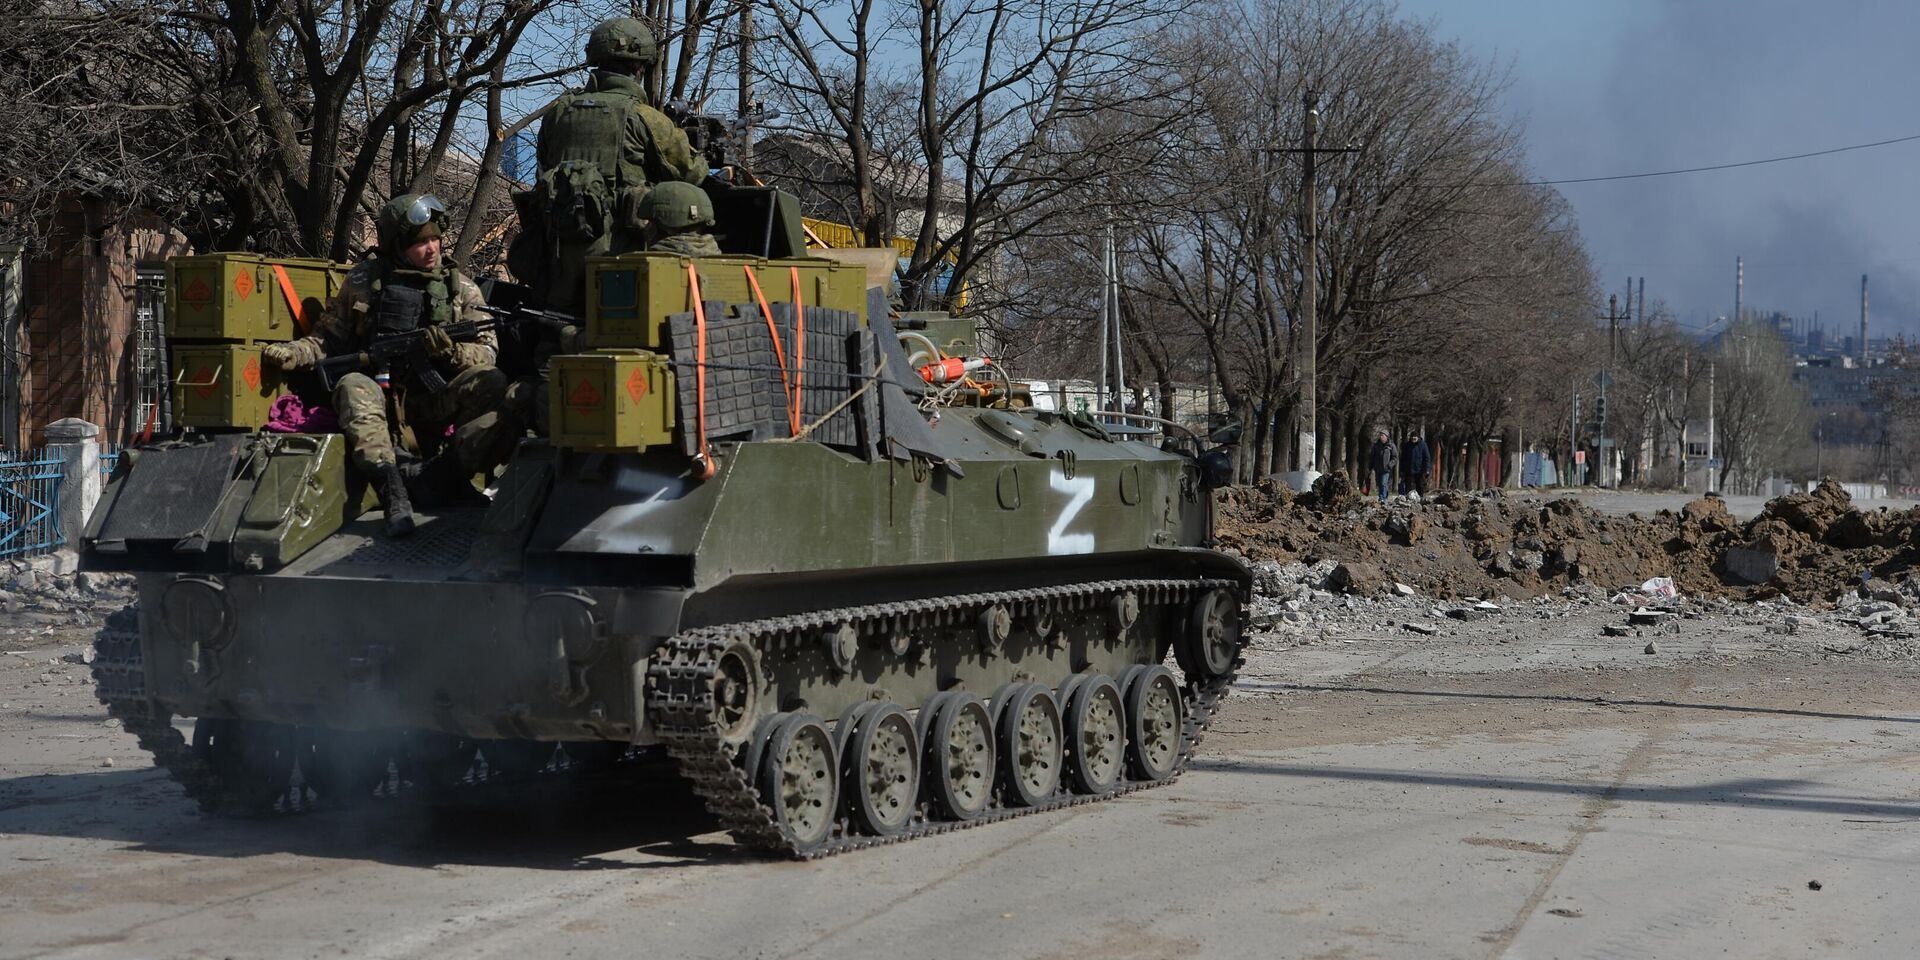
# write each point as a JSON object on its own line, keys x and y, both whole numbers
{"x": 533, "y": 316}
{"x": 409, "y": 350}
{"x": 406, "y": 350}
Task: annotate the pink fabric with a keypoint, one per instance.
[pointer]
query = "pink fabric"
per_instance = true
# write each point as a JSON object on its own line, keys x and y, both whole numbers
{"x": 289, "y": 415}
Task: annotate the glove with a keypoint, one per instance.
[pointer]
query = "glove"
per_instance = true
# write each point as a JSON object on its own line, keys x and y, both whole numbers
{"x": 281, "y": 355}
{"x": 439, "y": 343}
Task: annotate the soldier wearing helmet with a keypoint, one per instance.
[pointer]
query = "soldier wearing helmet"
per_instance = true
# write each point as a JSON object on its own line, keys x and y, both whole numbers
{"x": 409, "y": 283}
{"x": 679, "y": 217}
{"x": 601, "y": 149}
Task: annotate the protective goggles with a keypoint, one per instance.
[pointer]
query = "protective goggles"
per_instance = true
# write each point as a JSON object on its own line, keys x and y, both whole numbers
{"x": 425, "y": 209}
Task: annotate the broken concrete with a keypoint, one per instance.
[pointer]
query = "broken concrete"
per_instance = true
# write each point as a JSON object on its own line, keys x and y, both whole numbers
{"x": 1812, "y": 547}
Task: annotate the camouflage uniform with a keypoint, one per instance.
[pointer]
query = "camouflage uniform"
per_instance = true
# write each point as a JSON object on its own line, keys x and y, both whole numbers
{"x": 474, "y": 400}
{"x": 692, "y": 244}
{"x": 600, "y": 150}
{"x": 678, "y": 217}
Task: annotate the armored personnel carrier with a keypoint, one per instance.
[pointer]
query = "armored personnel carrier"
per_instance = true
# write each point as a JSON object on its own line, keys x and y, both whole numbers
{"x": 832, "y": 568}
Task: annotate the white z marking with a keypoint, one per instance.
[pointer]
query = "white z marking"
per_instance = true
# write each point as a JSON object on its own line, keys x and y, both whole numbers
{"x": 1058, "y": 540}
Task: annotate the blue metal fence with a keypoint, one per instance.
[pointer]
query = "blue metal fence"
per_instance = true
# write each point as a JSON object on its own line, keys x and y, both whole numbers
{"x": 109, "y": 458}
{"x": 30, "y": 503}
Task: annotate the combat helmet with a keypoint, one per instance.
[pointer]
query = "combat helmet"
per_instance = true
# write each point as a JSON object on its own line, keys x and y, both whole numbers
{"x": 407, "y": 218}
{"x": 621, "y": 43}
{"x": 675, "y": 206}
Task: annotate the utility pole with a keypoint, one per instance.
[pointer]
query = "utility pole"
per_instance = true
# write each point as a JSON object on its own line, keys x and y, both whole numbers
{"x": 1310, "y": 289}
{"x": 1119, "y": 354}
{"x": 1686, "y": 411}
{"x": 1106, "y": 292}
{"x": 1613, "y": 341}
{"x": 1613, "y": 330}
{"x": 1710, "y": 467}
{"x": 1573, "y": 443}
{"x": 1309, "y": 363}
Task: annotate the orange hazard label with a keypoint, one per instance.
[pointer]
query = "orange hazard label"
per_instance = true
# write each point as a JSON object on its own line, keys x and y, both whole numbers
{"x": 204, "y": 382}
{"x": 584, "y": 396}
{"x": 637, "y": 384}
{"x": 198, "y": 293}
{"x": 243, "y": 285}
{"x": 251, "y": 373}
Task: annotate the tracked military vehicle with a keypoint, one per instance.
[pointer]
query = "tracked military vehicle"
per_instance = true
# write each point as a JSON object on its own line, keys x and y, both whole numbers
{"x": 840, "y": 575}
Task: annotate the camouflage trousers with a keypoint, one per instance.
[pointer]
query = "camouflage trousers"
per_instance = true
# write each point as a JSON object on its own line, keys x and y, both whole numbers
{"x": 474, "y": 404}
{"x": 527, "y": 397}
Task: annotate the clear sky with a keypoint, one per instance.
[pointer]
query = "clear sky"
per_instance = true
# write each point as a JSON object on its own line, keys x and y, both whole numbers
{"x": 1606, "y": 87}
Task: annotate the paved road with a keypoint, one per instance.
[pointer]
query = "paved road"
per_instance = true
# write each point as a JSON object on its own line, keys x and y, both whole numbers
{"x": 1373, "y": 797}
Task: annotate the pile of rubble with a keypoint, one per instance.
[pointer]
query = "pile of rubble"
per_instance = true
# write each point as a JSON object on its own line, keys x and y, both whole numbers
{"x": 42, "y": 593}
{"x": 1815, "y": 548}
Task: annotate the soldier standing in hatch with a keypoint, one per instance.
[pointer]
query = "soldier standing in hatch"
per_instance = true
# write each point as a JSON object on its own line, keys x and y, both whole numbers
{"x": 601, "y": 149}
{"x": 679, "y": 217}
{"x": 407, "y": 285}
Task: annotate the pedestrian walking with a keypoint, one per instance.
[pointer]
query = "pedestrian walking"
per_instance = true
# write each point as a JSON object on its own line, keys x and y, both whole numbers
{"x": 1382, "y": 460}
{"x": 1416, "y": 465}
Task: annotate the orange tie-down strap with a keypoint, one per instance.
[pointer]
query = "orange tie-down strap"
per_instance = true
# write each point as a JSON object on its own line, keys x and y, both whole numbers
{"x": 799, "y": 348}
{"x": 703, "y": 461}
{"x": 779, "y": 352}
{"x": 293, "y": 299}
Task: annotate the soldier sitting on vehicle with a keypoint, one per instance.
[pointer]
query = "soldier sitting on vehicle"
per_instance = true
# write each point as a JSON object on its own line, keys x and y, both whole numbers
{"x": 601, "y": 150}
{"x": 410, "y": 285}
{"x": 679, "y": 216}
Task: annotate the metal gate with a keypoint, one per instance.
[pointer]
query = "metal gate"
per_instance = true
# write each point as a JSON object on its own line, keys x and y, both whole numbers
{"x": 152, "y": 413}
{"x": 30, "y": 503}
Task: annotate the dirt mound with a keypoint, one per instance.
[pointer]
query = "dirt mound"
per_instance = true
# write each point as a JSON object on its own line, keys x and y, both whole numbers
{"x": 1812, "y": 547}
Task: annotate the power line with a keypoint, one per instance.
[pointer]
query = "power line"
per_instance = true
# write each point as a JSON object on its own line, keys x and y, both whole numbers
{"x": 1722, "y": 166}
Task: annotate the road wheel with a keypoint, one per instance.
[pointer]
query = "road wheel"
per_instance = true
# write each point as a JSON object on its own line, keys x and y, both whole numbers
{"x": 253, "y": 761}
{"x": 883, "y": 770}
{"x": 516, "y": 758}
{"x": 799, "y": 780}
{"x": 960, "y": 757}
{"x": 1153, "y": 723}
{"x": 1211, "y": 644}
{"x": 1031, "y": 744}
{"x": 1096, "y": 736}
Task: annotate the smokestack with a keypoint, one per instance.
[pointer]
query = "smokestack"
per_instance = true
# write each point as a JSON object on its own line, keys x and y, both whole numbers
{"x": 1739, "y": 286}
{"x": 1863, "y": 319}
{"x": 1643, "y": 301}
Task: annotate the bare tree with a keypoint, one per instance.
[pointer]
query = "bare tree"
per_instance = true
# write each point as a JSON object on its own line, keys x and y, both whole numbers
{"x": 1760, "y": 413}
{"x": 1454, "y": 296}
{"x": 272, "y": 124}
{"x": 969, "y": 139}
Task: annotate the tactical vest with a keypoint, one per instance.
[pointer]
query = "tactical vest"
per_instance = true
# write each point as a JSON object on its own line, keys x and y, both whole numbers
{"x": 588, "y": 178}
{"x": 403, "y": 300}
{"x": 587, "y": 199}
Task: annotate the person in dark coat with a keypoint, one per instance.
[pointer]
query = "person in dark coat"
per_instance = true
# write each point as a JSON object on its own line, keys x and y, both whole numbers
{"x": 1381, "y": 461}
{"x": 1416, "y": 466}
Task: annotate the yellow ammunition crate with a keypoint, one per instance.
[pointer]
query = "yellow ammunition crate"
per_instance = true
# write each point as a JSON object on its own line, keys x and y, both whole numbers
{"x": 222, "y": 385}
{"x": 237, "y": 297}
{"x": 629, "y": 297}
{"x": 611, "y": 401}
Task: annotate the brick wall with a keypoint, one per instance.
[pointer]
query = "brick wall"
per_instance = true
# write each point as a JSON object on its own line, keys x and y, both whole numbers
{"x": 79, "y": 318}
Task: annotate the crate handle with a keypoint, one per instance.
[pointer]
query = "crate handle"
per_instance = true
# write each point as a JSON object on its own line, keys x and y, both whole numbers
{"x": 179, "y": 382}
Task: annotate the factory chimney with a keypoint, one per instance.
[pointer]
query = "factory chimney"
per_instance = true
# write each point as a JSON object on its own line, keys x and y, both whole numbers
{"x": 1863, "y": 319}
{"x": 1739, "y": 287}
